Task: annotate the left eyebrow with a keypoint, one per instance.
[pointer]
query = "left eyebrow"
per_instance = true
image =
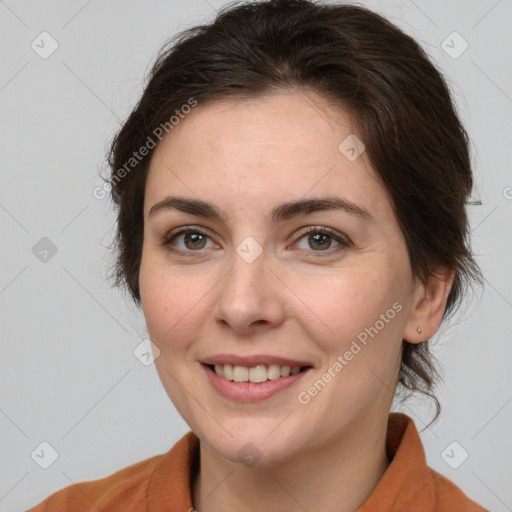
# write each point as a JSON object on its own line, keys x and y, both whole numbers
{"x": 284, "y": 211}
{"x": 305, "y": 206}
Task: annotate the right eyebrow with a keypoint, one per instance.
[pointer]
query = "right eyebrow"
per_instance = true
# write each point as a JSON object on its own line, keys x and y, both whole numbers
{"x": 186, "y": 205}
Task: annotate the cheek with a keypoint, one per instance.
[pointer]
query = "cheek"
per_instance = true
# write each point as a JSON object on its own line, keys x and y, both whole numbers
{"x": 361, "y": 348}
{"x": 170, "y": 301}
{"x": 357, "y": 324}
{"x": 337, "y": 307}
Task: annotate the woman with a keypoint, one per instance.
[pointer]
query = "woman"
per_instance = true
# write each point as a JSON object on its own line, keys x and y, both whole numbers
{"x": 292, "y": 192}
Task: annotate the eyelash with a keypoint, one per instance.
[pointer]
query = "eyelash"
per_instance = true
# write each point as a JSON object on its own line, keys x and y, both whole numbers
{"x": 341, "y": 239}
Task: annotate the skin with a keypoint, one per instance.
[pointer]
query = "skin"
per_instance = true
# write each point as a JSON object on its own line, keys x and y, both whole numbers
{"x": 247, "y": 156}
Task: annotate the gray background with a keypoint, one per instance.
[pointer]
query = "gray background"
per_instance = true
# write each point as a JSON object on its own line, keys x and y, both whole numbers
{"x": 68, "y": 375}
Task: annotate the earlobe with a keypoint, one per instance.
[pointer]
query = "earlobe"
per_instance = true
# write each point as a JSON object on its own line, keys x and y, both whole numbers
{"x": 428, "y": 306}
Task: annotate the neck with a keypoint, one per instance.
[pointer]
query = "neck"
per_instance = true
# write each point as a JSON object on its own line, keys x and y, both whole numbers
{"x": 336, "y": 477}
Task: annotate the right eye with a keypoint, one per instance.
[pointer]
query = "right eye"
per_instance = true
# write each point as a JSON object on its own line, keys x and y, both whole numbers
{"x": 193, "y": 240}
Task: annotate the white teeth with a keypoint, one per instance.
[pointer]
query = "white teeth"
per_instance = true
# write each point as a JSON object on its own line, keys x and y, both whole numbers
{"x": 240, "y": 374}
{"x": 228, "y": 371}
{"x": 259, "y": 373}
{"x": 273, "y": 372}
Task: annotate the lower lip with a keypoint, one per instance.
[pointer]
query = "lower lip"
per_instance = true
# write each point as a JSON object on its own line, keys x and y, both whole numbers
{"x": 251, "y": 391}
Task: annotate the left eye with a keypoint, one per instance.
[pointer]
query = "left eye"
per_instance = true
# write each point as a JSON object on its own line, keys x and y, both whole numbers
{"x": 320, "y": 239}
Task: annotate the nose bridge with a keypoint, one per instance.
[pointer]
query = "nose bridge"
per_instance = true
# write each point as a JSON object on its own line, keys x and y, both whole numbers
{"x": 248, "y": 271}
{"x": 247, "y": 294}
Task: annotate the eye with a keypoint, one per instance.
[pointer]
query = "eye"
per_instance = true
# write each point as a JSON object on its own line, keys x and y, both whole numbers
{"x": 320, "y": 239}
{"x": 193, "y": 240}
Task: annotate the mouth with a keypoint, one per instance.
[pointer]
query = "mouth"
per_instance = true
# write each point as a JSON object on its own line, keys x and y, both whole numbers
{"x": 255, "y": 374}
{"x": 255, "y": 383}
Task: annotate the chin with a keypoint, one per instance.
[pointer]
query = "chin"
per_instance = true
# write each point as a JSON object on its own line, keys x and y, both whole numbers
{"x": 251, "y": 443}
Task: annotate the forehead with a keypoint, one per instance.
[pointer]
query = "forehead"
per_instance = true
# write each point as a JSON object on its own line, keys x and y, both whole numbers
{"x": 262, "y": 151}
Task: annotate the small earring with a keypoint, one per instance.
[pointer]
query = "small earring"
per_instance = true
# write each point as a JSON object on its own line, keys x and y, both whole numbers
{"x": 419, "y": 330}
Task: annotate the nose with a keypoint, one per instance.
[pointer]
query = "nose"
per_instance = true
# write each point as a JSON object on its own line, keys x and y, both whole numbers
{"x": 250, "y": 296}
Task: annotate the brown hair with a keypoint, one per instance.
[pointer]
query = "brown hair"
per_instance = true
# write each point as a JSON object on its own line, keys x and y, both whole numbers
{"x": 362, "y": 62}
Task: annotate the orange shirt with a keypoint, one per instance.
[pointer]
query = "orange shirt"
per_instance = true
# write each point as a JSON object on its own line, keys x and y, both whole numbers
{"x": 163, "y": 483}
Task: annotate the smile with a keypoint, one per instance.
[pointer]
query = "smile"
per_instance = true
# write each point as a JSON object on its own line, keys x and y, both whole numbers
{"x": 253, "y": 384}
{"x": 259, "y": 373}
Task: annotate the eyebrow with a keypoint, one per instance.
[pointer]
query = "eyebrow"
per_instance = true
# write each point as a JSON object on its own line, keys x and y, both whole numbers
{"x": 284, "y": 211}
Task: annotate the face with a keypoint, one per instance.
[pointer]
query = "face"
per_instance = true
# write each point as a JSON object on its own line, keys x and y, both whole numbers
{"x": 249, "y": 284}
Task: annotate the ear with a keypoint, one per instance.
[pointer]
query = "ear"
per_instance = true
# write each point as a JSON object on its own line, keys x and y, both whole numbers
{"x": 428, "y": 305}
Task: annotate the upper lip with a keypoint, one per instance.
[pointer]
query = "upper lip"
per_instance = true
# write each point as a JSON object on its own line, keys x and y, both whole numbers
{"x": 251, "y": 361}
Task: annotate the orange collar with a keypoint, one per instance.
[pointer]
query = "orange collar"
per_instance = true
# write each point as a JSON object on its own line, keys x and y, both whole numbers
{"x": 408, "y": 484}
